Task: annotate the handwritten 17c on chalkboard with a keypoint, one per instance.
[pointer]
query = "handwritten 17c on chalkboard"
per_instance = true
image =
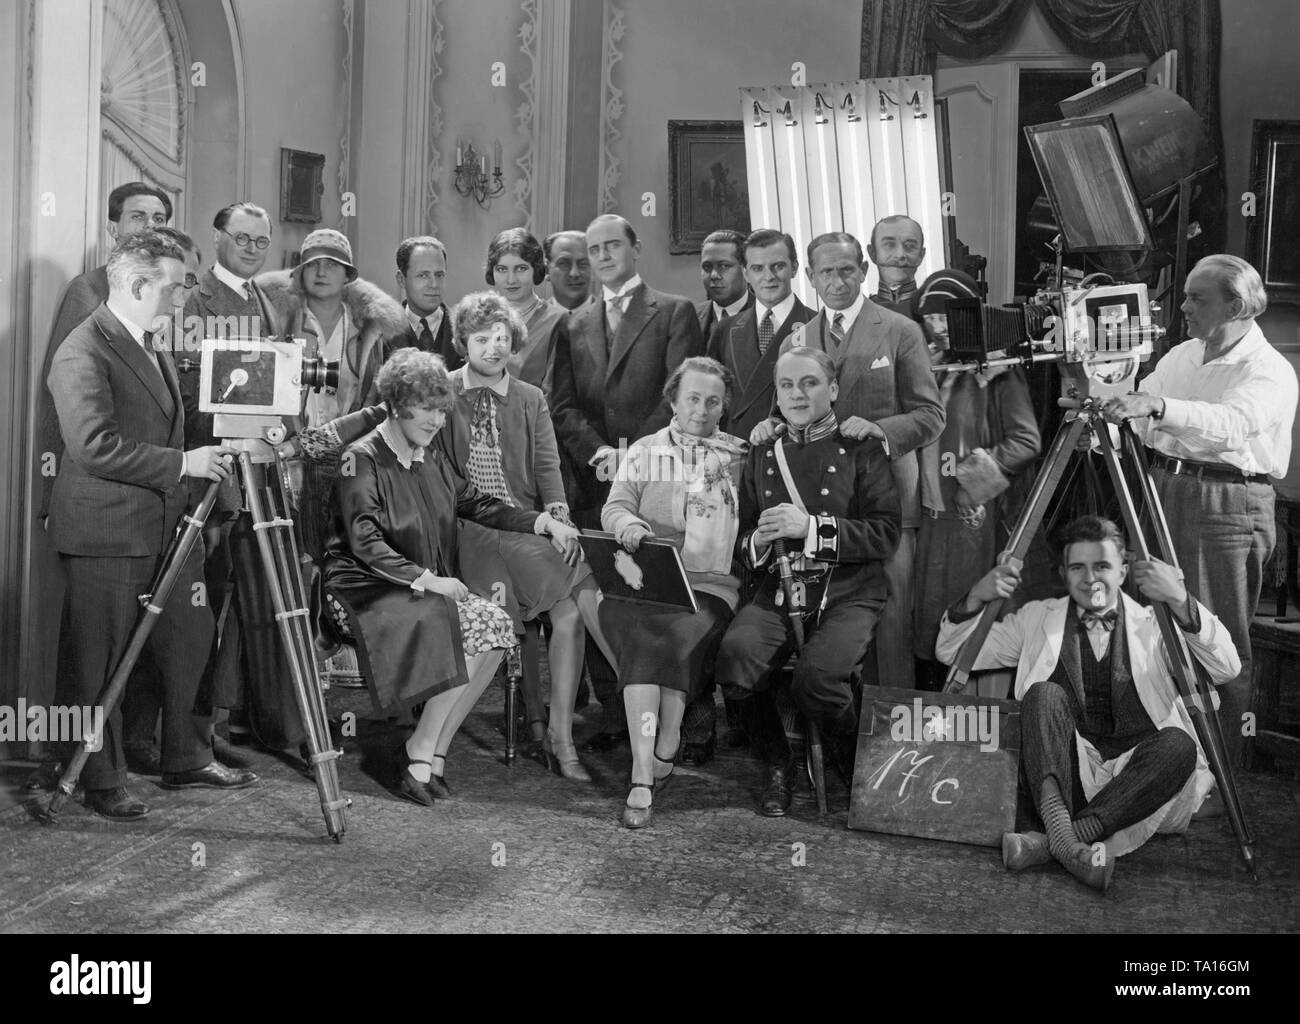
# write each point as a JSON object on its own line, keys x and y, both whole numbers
{"x": 936, "y": 766}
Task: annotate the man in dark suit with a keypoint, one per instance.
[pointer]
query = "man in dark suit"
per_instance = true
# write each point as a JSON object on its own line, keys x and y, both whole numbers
{"x": 747, "y": 345}
{"x": 613, "y": 355}
{"x": 132, "y": 208}
{"x": 116, "y": 503}
{"x": 722, "y": 269}
{"x": 421, "y": 276}
{"x": 887, "y": 391}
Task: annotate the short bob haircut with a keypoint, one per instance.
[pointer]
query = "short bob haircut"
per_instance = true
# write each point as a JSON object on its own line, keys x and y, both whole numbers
{"x": 819, "y": 357}
{"x": 700, "y": 364}
{"x": 412, "y": 379}
{"x": 479, "y": 311}
{"x": 1090, "y": 530}
{"x": 523, "y": 245}
{"x": 1239, "y": 280}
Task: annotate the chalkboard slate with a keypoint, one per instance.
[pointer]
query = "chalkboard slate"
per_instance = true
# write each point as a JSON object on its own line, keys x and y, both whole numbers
{"x": 935, "y": 765}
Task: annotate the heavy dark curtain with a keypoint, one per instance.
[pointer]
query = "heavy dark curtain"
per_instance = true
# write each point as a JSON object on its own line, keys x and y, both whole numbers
{"x": 903, "y": 37}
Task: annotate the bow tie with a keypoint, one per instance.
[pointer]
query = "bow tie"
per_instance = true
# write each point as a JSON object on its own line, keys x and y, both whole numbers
{"x": 1100, "y": 620}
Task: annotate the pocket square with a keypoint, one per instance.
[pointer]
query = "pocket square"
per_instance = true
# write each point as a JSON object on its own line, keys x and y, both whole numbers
{"x": 880, "y": 363}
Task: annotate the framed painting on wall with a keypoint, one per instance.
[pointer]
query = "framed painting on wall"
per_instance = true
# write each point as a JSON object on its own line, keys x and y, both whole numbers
{"x": 1270, "y": 234}
{"x": 708, "y": 188}
{"x": 301, "y": 186}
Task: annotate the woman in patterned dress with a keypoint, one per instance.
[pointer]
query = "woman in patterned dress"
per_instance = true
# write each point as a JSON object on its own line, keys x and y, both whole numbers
{"x": 392, "y": 569}
{"x": 499, "y": 436}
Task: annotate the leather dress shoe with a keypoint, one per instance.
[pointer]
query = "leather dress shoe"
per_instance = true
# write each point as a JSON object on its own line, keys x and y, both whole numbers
{"x": 213, "y": 775}
{"x": 604, "y": 742}
{"x": 1022, "y": 850}
{"x": 774, "y": 801}
{"x": 698, "y": 754}
{"x": 145, "y": 759}
{"x": 115, "y": 804}
{"x": 227, "y": 754}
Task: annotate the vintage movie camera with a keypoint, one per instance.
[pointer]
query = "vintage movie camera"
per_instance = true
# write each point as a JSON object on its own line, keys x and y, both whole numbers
{"x": 250, "y": 384}
{"x": 1101, "y": 332}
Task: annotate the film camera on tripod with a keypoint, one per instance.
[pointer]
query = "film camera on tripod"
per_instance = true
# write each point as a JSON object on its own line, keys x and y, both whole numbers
{"x": 1133, "y": 146}
{"x": 250, "y": 385}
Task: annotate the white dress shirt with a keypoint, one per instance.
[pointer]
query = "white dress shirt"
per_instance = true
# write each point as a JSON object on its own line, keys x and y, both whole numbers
{"x": 850, "y": 314}
{"x": 1236, "y": 410}
{"x": 721, "y": 313}
{"x": 623, "y": 294}
{"x": 434, "y": 320}
{"x": 780, "y": 312}
{"x": 237, "y": 284}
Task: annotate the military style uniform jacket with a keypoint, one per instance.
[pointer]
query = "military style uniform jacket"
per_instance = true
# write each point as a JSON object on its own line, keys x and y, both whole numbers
{"x": 848, "y": 488}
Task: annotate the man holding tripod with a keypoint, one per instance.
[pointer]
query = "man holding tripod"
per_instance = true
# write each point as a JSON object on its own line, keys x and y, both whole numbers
{"x": 116, "y": 502}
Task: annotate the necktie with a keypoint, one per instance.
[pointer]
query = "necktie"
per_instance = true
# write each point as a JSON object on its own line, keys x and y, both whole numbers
{"x": 248, "y": 291}
{"x": 1100, "y": 620}
{"x": 485, "y": 469}
{"x": 155, "y": 356}
{"x": 614, "y": 315}
{"x": 837, "y": 330}
{"x": 425, "y": 343}
{"x": 766, "y": 332}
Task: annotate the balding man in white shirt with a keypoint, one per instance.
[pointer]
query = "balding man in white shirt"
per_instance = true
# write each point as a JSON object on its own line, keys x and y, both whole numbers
{"x": 1217, "y": 414}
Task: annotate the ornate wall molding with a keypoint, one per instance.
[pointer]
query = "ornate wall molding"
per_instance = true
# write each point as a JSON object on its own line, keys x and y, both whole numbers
{"x": 434, "y": 167}
{"x": 611, "y": 108}
{"x": 527, "y": 113}
{"x": 345, "y": 136}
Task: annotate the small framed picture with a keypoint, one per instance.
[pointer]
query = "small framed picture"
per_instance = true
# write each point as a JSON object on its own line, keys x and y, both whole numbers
{"x": 1270, "y": 234}
{"x": 708, "y": 187}
{"x": 301, "y": 185}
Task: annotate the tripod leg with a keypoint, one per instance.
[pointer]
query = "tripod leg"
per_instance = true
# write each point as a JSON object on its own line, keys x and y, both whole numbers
{"x": 292, "y": 624}
{"x": 1165, "y": 544}
{"x": 1045, "y": 486}
{"x": 1186, "y": 670}
{"x": 188, "y": 532}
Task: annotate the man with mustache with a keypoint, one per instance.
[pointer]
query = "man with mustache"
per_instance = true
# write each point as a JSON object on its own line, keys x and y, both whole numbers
{"x": 897, "y": 248}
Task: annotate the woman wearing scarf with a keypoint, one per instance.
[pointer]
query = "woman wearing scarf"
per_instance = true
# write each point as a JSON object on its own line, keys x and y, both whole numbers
{"x": 499, "y": 436}
{"x": 678, "y": 484}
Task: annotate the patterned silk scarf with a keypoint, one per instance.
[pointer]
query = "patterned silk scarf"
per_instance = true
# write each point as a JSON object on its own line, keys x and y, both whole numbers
{"x": 484, "y": 465}
{"x": 706, "y": 506}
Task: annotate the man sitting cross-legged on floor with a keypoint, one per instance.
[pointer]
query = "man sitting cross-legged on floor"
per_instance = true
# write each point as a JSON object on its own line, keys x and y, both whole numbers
{"x": 832, "y": 501}
{"x": 1108, "y": 750}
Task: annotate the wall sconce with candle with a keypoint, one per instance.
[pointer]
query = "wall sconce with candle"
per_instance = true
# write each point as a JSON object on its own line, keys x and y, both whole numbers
{"x": 473, "y": 177}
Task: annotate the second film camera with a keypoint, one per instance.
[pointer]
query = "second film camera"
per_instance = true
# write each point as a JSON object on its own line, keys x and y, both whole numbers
{"x": 250, "y": 384}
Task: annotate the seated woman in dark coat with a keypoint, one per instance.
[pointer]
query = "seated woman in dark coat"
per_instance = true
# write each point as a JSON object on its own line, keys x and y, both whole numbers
{"x": 679, "y": 485}
{"x": 392, "y": 568}
{"x": 499, "y": 436}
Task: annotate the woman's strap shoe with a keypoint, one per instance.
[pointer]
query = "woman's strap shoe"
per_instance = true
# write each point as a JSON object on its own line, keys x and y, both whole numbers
{"x": 408, "y": 786}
